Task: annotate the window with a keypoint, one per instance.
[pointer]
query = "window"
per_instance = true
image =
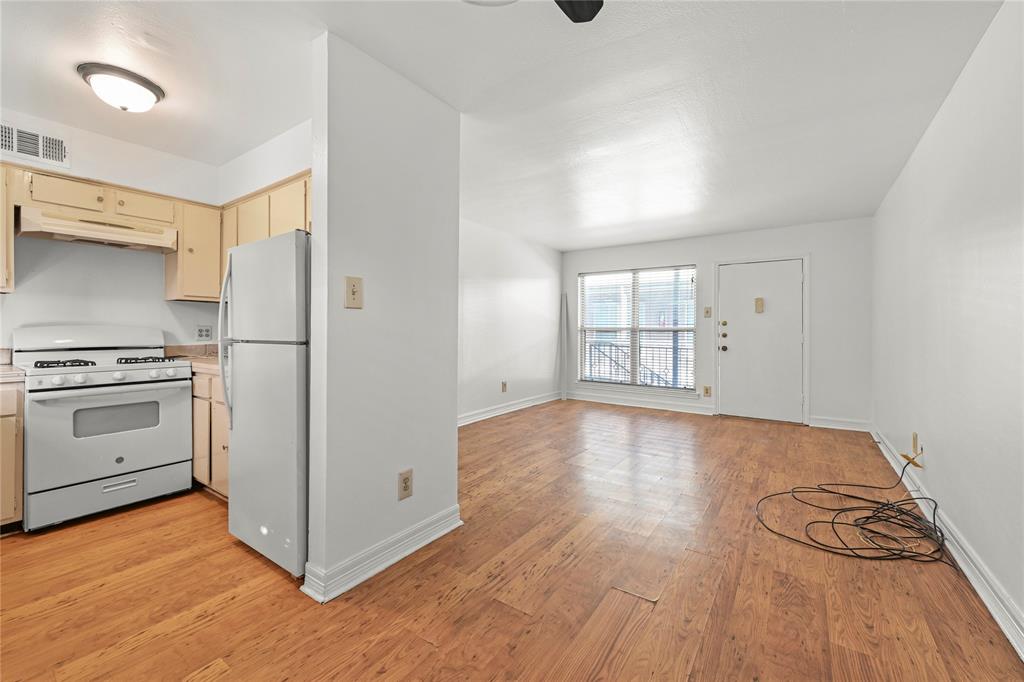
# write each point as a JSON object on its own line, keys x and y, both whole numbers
{"x": 636, "y": 327}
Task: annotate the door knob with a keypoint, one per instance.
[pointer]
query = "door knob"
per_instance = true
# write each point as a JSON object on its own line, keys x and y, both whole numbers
{"x": 725, "y": 348}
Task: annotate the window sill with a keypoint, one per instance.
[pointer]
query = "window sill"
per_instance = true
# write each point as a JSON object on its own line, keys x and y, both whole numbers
{"x": 610, "y": 386}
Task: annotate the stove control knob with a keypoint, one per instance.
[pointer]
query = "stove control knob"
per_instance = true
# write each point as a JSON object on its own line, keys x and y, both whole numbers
{"x": 154, "y": 373}
{"x": 118, "y": 376}
{"x": 171, "y": 371}
{"x": 57, "y": 381}
{"x": 79, "y": 378}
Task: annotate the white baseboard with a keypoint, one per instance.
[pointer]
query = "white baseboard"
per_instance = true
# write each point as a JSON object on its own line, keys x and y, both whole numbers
{"x": 511, "y": 406}
{"x": 837, "y": 423}
{"x": 641, "y": 398}
{"x": 1008, "y": 615}
{"x": 324, "y": 586}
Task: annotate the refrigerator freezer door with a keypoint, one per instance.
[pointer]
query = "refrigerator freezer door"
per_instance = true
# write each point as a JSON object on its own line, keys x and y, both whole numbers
{"x": 268, "y": 290}
{"x": 267, "y": 466}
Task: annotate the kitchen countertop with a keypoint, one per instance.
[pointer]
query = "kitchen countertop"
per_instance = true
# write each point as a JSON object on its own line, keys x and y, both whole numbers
{"x": 9, "y": 374}
{"x": 202, "y": 364}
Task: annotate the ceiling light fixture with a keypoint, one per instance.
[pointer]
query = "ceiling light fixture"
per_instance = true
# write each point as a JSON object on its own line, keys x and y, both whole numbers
{"x": 121, "y": 88}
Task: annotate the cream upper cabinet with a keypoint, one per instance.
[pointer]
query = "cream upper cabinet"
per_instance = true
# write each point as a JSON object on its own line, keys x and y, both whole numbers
{"x": 143, "y": 206}
{"x": 288, "y": 208}
{"x": 6, "y": 235}
{"x": 228, "y": 235}
{"x": 199, "y": 248}
{"x": 61, "y": 191}
{"x": 309, "y": 204}
{"x": 254, "y": 219}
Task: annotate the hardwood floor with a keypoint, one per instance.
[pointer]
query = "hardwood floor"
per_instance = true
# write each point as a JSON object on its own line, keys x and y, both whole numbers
{"x": 601, "y": 542}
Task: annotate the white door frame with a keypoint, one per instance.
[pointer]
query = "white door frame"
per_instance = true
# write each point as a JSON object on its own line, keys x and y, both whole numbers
{"x": 806, "y": 351}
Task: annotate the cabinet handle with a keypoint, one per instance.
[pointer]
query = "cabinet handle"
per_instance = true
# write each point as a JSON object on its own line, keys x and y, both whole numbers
{"x": 121, "y": 202}
{"x": 99, "y": 199}
{"x": 191, "y": 250}
{"x": 223, "y": 447}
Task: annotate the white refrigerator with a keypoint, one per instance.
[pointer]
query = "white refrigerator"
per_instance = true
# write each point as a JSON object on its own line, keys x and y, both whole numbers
{"x": 263, "y": 334}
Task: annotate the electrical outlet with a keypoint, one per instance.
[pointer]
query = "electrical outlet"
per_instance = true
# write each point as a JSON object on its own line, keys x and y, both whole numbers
{"x": 707, "y": 391}
{"x": 504, "y": 387}
{"x": 405, "y": 484}
{"x": 204, "y": 333}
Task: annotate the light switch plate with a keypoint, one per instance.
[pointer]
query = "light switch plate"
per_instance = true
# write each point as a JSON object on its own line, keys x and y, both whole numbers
{"x": 707, "y": 311}
{"x": 758, "y": 305}
{"x": 354, "y": 292}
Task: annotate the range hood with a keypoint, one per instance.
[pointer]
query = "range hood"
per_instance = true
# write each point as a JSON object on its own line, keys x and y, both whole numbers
{"x": 46, "y": 224}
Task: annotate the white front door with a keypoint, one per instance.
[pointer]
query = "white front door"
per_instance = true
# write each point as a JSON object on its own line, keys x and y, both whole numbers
{"x": 760, "y": 340}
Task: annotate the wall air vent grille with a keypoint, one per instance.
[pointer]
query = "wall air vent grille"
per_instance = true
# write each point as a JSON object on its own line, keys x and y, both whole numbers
{"x": 53, "y": 149}
{"x": 28, "y": 144}
{"x": 7, "y": 138}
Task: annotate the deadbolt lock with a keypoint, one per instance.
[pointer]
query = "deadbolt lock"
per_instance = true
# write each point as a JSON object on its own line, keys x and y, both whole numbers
{"x": 723, "y": 323}
{"x": 724, "y": 334}
{"x": 725, "y": 348}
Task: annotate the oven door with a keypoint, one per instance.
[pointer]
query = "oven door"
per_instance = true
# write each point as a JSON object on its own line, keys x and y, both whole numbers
{"x": 78, "y": 435}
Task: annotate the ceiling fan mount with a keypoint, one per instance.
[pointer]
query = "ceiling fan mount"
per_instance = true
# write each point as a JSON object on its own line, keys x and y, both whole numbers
{"x": 578, "y": 11}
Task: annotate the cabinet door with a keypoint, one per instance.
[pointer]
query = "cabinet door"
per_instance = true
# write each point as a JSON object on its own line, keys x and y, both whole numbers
{"x": 200, "y": 262}
{"x": 143, "y": 206}
{"x": 288, "y": 208}
{"x": 254, "y": 219}
{"x": 6, "y": 235}
{"x": 10, "y": 483}
{"x": 309, "y": 204}
{"x": 219, "y": 448}
{"x": 228, "y": 235}
{"x": 201, "y": 440}
{"x": 54, "y": 190}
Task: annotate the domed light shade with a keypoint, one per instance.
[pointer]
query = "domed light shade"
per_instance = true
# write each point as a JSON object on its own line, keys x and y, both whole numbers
{"x": 121, "y": 88}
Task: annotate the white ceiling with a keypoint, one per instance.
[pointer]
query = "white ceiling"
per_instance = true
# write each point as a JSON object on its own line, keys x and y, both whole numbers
{"x": 233, "y": 79}
{"x": 657, "y": 120}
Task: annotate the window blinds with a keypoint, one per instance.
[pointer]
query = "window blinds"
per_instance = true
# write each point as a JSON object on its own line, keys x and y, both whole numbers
{"x": 637, "y": 327}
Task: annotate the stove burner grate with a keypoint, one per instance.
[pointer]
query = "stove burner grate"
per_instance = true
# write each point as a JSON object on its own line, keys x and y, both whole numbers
{"x": 139, "y": 361}
{"x": 44, "y": 364}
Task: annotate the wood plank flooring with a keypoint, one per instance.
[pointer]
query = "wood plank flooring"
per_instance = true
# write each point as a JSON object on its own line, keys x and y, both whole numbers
{"x": 600, "y": 542}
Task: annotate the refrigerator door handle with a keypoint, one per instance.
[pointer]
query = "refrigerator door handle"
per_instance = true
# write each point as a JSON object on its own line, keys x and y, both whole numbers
{"x": 224, "y": 341}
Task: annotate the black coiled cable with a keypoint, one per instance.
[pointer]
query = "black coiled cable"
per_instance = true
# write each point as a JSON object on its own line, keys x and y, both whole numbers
{"x": 888, "y": 529}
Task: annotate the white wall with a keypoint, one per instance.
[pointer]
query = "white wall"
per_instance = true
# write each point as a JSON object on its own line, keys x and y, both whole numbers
{"x": 285, "y": 155}
{"x": 73, "y": 283}
{"x": 840, "y": 254}
{"x": 83, "y": 283}
{"x": 509, "y": 292}
{"x": 99, "y": 157}
{"x": 948, "y": 311}
{"x": 383, "y": 393}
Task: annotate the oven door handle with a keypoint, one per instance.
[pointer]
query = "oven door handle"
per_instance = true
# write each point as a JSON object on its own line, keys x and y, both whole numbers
{"x": 70, "y": 393}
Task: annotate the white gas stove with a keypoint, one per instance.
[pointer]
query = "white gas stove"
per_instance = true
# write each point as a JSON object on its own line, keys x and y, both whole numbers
{"x": 108, "y": 419}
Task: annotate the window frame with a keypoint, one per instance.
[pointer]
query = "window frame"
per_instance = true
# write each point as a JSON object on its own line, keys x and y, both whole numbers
{"x": 634, "y": 330}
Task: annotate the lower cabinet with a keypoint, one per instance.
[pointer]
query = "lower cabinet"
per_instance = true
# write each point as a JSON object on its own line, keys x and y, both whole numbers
{"x": 11, "y": 453}
{"x": 201, "y": 440}
{"x": 209, "y": 434}
{"x": 219, "y": 447}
